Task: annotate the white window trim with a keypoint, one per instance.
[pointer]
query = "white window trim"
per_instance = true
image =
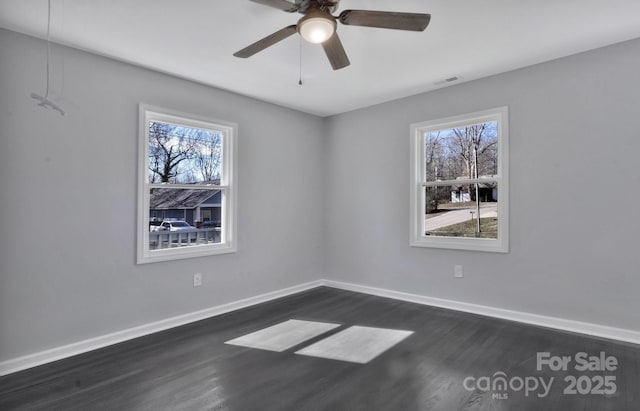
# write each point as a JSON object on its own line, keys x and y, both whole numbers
{"x": 417, "y": 200}
{"x": 227, "y": 185}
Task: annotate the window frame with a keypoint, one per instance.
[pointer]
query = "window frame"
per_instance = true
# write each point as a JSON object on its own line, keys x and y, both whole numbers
{"x": 418, "y": 182}
{"x": 227, "y": 185}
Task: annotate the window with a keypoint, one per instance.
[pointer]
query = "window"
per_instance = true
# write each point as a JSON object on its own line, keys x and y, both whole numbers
{"x": 186, "y": 196}
{"x": 459, "y": 184}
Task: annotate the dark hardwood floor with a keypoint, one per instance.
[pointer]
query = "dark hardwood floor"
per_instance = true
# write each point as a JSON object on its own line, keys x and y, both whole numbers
{"x": 190, "y": 367}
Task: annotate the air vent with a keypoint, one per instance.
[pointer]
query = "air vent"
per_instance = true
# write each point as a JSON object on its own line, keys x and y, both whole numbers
{"x": 448, "y": 80}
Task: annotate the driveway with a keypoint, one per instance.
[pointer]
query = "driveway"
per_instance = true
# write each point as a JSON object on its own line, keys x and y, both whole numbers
{"x": 458, "y": 215}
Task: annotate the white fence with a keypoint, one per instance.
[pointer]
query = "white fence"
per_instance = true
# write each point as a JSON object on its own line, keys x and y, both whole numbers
{"x": 182, "y": 238}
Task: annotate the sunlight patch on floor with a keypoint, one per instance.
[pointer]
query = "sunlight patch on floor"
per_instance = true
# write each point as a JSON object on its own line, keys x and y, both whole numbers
{"x": 283, "y": 336}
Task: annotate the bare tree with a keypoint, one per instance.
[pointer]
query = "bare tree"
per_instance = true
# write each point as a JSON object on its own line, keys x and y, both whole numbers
{"x": 434, "y": 155}
{"x": 169, "y": 147}
{"x": 435, "y": 168}
{"x": 208, "y": 158}
{"x": 472, "y": 143}
{"x": 179, "y": 154}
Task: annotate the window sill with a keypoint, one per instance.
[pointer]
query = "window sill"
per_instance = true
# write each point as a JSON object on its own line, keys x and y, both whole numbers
{"x": 153, "y": 256}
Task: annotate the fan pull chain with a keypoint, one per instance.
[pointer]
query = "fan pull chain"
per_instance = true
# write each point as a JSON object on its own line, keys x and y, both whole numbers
{"x": 300, "y": 81}
{"x": 46, "y": 94}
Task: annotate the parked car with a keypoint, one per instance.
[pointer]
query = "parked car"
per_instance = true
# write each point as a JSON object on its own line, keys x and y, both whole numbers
{"x": 176, "y": 225}
{"x": 210, "y": 224}
{"x": 212, "y": 229}
{"x": 155, "y": 226}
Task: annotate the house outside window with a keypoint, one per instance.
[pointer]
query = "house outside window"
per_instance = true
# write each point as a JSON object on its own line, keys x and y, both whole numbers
{"x": 459, "y": 182}
{"x": 186, "y": 196}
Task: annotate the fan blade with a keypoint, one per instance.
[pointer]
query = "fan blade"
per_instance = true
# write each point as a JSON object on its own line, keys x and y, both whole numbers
{"x": 268, "y": 41}
{"x": 283, "y": 5}
{"x": 335, "y": 52}
{"x": 385, "y": 19}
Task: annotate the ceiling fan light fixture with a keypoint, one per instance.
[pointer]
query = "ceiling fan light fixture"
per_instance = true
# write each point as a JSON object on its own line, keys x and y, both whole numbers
{"x": 317, "y": 29}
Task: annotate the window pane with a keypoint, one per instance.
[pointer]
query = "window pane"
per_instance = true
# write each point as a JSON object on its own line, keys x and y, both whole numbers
{"x": 452, "y": 211}
{"x": 183, "y": 218}
{"x": 461, "y": 152}
{"x": 179, "y": 154}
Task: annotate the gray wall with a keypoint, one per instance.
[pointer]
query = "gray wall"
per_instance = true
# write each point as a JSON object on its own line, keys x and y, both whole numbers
{"x": 317, "y": 198}
{"x": 68, "y": 200}
{"x": 574, "y": 192}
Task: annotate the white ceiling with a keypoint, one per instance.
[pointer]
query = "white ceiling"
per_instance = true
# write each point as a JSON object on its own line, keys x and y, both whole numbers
{"x": 196, "y": 39}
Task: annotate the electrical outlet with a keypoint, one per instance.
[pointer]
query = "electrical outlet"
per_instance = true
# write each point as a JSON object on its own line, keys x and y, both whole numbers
{"x": 457, "y": 271}
{"x": 197, "y": 280}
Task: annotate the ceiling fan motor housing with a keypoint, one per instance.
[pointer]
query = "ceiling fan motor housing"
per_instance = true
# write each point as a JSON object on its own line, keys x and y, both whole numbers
{"x": 307, "y": 5}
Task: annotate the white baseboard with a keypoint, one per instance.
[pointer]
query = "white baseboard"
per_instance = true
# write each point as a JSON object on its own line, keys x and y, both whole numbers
{"x": 54, "y": 354}
{"x": 43, "y": 357}
{"x": 596, "y": 330}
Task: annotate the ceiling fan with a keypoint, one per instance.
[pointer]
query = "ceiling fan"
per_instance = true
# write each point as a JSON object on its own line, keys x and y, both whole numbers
{"x": 318, "y": 26}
